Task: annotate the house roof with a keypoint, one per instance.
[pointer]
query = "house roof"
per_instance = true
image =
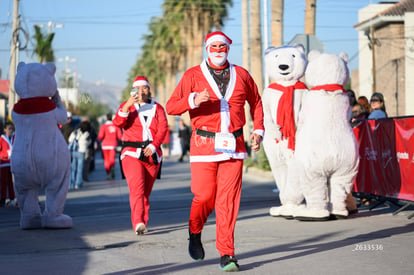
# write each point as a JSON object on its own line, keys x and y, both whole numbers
{"x": 4, "y": 85}
{"x": 394, "y": 13}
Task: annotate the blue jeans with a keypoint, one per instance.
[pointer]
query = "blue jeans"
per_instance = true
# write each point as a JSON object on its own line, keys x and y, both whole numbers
{"x": 76, "y": 180}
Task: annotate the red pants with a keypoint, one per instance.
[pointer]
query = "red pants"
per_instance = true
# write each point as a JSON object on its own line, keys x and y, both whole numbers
{"x": 109, "y": 159}
{"x": 6, "y": 183}
{"x": 140, "y": 177}
{"x": 217, "y": 185}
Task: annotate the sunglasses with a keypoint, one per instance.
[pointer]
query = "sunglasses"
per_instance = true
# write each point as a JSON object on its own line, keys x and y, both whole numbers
{"x": 375, "y": 100}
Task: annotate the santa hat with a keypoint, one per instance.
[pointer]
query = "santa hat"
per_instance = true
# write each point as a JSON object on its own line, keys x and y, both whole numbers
{"x": 217, "y": 36}
{"x": 140, "y": 81}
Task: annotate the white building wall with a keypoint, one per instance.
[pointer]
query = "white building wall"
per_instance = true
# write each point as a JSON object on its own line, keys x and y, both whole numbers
{"x": 365, "y": 53}
{"x": 409, "y": 63}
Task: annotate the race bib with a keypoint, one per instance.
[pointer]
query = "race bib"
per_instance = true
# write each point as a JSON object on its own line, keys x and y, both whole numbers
{"x": 225, "y": 143}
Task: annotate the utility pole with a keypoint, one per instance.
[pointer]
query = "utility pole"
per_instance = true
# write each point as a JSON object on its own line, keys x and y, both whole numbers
{"x": 310, "y": 15}
{"x": 14, "y": 55}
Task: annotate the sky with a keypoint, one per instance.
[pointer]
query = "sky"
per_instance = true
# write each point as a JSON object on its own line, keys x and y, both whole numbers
{"x": 102, "y": 39}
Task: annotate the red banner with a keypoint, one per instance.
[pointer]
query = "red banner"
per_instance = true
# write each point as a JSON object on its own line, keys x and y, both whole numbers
{"x": 386, "y": 150}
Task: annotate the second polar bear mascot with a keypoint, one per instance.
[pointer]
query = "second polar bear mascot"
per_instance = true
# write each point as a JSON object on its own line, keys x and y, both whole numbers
{"x": 326, "y": 147}
{"x": 281, "y": 104}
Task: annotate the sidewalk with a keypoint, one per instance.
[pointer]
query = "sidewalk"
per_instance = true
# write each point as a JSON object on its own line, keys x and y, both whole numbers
{"x": 102, "y": 240}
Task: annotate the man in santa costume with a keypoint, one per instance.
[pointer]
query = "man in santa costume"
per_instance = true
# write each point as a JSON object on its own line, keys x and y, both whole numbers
{"x": 109, "y": 134}
{"x": 214, "y": 94}
{"x": 144, "y": 125}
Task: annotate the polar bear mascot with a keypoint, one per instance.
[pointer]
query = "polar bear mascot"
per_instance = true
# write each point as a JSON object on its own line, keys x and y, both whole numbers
{"x": 326, "y": 147}
{"x": 281, "y": 104}
{"x": 40, "y": 157}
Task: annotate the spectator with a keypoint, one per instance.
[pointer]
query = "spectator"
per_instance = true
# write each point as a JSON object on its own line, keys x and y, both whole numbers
{"x": 6, "y": 179}
{"x": 79, "y": 141}
{"x": 363, "y": 101}
{"x": 109, "y": 135}
{"x": 377, "y": 106}
{"x": 90, "y": 151}
{"x": 184, "y": 134}
{"x": 67, "y": 128}
{"x": 358, "y": 114}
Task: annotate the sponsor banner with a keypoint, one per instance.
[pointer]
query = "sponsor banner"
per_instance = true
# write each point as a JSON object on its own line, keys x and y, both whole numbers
{"x": 386, "y": 149}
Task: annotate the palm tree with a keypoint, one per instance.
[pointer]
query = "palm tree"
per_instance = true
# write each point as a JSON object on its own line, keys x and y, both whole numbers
{"x": 43, "y": 48}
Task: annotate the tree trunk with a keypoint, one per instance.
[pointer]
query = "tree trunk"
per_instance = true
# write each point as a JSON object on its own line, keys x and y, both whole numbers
{"x": 277, "y": 22}
{"x": 256, "y": 44}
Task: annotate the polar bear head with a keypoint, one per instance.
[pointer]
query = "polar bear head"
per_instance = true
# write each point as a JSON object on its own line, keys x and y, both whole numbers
{"x": 326, "y": 68}
{"x": 35, "y": 80}
{"x": 286, "y": 64}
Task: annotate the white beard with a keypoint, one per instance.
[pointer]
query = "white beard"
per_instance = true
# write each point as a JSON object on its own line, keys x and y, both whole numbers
{"x": 218, "y": 59}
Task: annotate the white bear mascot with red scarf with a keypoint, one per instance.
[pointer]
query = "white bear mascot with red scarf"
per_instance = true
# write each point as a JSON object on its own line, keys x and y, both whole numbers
{"x": 326, "y": 147}
{"x": 40, "y": 158}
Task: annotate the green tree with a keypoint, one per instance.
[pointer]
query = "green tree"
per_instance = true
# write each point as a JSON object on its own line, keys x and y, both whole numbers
{"x": 43, "y": 48}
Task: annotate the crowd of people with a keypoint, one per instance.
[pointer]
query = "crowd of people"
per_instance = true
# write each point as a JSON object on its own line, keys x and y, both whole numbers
{"x": 362, "y": 109}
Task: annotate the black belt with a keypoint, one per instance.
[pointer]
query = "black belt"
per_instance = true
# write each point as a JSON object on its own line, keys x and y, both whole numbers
{"x": 209, "y": 134}
{"x": 141, "y": 144}
{"x": 135, "y": 144}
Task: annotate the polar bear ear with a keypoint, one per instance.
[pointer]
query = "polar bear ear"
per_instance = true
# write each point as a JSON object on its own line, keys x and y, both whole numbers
{"x": 20, "y": 65}
{"x": 313, "y": 54}
{"x": 299, "y": 47}
{"x": 269, "y": 50}
{"x": 51, "y": 67}
{"x": 344, "y": 57}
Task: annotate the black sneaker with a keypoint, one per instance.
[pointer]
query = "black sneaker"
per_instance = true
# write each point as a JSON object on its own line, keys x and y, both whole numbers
{"x": 229, "y": 263}
{"x": 195, "y": 247}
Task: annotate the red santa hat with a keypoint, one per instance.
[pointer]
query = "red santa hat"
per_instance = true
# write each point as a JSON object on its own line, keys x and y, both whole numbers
{"x": 140, "y": 81}
{"x": 217, "y": 36}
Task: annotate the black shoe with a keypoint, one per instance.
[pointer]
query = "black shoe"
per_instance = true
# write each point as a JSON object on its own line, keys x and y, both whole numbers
{"x": 195, "y": 247}
{"x": 228, "y": 263}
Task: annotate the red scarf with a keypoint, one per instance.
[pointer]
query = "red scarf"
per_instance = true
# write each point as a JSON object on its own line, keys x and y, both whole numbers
{"x": 33, "y": 105}
{"x": 285, "y": 111}
{"x": 329, "y": 88}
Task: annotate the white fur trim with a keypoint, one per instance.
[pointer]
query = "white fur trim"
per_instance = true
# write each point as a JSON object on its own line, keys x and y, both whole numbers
{"x": 152, "y": 147}
{"x": 219, "y": 157}
{"x": 122, "y": 114}
{"x": 191, "y": 100}
{"x": 259, "y": 132}
{"x": 140, "y": 83}
{"x": 217, "y": 38}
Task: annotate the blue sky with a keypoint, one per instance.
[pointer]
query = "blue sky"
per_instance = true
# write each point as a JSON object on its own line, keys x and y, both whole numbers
{"x": 105, "y": 36}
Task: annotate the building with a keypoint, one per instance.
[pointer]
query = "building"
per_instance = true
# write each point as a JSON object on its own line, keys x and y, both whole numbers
{"x": 386, "y": 54}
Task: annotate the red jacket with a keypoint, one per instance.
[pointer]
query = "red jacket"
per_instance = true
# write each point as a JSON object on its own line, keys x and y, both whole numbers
{"x": 109, "y": 134}
{"x": 5, "y": 148}
{"x": 220, "y": 114}
{"x": 137, "y": 129}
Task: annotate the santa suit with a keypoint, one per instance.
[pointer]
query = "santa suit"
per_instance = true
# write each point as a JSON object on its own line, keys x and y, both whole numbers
{"x": 216, "y": 176}
{"x": 109, "y": 134}
{"x": 7, "y": 190}
{"x": 279, "y": 147}
{"x": 142, "y": 123}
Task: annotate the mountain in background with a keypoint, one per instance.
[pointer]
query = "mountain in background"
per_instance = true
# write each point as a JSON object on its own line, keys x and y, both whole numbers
{"x": 102, "y": 92}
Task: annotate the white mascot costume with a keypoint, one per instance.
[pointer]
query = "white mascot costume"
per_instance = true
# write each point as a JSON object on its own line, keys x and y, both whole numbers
{"x": 40, "y": 157}
{"x": 326, "y": 147}
{"x": 281, "y": 104}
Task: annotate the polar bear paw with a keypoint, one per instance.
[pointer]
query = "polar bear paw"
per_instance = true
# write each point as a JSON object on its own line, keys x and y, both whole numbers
{"x": 60, "y": 221}
{"x": 30, "y": 222}
{"x": 286, "y": 211}
{"x": 307, "y": 214}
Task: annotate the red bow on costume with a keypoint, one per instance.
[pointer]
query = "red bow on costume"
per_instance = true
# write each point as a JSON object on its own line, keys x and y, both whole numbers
{"x": 33, "y": 105}
{"x": 285, "y": 112}
{"x": 329, "y": 88}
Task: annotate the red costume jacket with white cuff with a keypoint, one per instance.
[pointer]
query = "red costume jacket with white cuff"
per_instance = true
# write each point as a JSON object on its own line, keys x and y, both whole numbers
{"x": 219, "y": 114}
{"x": 138, "y": 129}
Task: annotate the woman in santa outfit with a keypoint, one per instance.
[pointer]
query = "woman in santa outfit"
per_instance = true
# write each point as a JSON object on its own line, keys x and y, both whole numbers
{"x": 109, "y": 135}
{"x": 214, "y": 93}
{"x": 6, "y": 180}
{"x": 144, "y": 125}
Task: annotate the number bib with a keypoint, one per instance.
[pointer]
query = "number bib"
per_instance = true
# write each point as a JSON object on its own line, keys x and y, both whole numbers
{"x": 225, "y": 143}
